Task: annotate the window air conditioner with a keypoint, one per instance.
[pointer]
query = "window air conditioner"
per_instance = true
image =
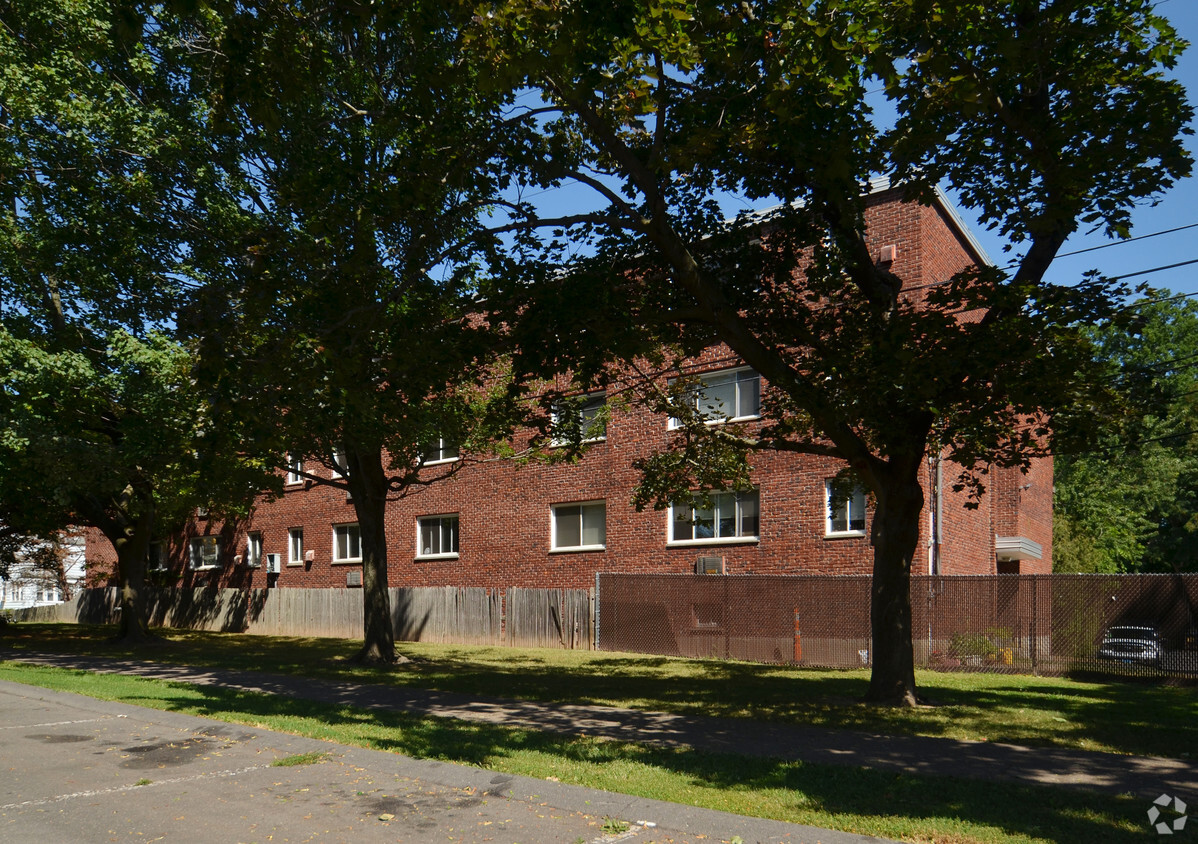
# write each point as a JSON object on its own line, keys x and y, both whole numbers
{"x": 709, "y": 565}
{"x": 353, "y": 578}
{"x": 309, "y": 556}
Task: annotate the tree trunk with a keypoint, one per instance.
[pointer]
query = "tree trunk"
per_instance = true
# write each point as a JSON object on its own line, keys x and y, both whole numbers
{"x": 895, "y": 539}
{"x": 132, "y": 543}
{"x": 368, "y": 486}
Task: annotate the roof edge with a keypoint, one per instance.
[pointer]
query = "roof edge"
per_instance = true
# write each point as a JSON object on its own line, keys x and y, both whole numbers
{"x": 881, "y": 184}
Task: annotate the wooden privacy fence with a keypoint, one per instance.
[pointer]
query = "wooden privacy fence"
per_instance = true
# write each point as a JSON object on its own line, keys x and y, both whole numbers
{"x": 547, "y": 618}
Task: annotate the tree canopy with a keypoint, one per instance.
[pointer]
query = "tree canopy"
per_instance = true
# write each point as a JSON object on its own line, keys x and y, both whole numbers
{"x": 323, "y": 171}
{"x": 99, "y": 424}
{"x": 1040, "y": 116}
{"x": 1129, "y": 502}
{"x": 354, "y": 151}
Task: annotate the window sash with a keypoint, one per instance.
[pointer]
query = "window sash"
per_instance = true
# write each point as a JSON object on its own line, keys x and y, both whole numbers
{"x": 347, "y": 543}
{"x": 580, "y": 525}
{"x": 441, "y": 451}
{"x": 295, "y": 545}
{"x": 587, "y": 413}
{"x": 205, "y": 552}
{"x": 847, "y": 516}
{"x": 731, "y": 515}
{"x": 438, "y": 536}
{"x": 295, "y": 465}
{"x": 253, "y": 549}
{"x": 726, "y": 396}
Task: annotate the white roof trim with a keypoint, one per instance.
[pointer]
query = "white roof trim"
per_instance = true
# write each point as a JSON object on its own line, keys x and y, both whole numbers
{"x": 966, "y": 233}
{"x": 881, "y": 184}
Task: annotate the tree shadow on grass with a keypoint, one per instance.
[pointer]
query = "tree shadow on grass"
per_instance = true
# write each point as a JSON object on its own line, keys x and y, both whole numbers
{"x": 798, "y": 792}
{"x": 1133, "y": 718}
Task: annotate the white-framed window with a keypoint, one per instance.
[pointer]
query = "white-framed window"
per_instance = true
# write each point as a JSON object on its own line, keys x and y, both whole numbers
{"x": 347, "y": 544}
{"x": 844, "y": 516}
{"x": 205, "y": 552}
{"x": 253, "y": 549}
{"x": 157, "y": 560}
{"x": 437, "y": 537}
{"x": 581, "y": 416}
{"x": 731, "y": 395}
{"x": 295, "y": 547}
{"x": 339, "y": 464}
{"x": 579, "y": 527}
{"x": 295, "y": 465}
{"x": 731, "y": 517}
{"x": 440, "y": 450}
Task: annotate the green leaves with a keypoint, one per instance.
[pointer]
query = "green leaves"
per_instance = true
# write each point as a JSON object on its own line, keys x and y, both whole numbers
{"x": 1060, "y": 110}
{"x": 100, "y": 423}
{"x": 1126, "y": 500}
{"x": 358, "y": 150}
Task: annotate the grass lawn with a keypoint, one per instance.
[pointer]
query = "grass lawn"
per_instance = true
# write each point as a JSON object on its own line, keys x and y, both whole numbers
{"x": 1118, "y": 716}
{"x": 897, "y": 806}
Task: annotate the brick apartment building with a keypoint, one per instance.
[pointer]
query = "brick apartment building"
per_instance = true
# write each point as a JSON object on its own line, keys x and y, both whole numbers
{"x": 496, "y": 523}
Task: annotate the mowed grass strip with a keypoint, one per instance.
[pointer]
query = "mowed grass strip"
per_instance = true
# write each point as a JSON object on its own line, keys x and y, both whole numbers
{"x": 897, "y": 806}
{"x": 1118, "y": 716}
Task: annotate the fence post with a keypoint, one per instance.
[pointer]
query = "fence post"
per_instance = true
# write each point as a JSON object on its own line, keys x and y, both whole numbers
{"x": 596, "y": 604}
{"x": 727, "y": 623}
{"x": 798, "y": 641}
{"x": 1035, "y": 624}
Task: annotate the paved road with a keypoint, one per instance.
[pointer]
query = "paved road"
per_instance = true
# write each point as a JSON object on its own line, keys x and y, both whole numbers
{"x": 75, "y": 769}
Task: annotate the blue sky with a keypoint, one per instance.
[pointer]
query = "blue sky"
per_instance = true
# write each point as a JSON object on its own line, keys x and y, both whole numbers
{"x": 1178, "y": 207}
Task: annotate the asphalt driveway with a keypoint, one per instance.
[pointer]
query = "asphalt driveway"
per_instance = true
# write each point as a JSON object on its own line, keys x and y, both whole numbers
{"x": 75, "y": 769}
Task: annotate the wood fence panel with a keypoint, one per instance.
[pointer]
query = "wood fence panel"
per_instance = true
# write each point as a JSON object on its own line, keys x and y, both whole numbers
{"x": 551, "y": 618}
{"x": 580, "y": 619}
{"x": 448, "y": 614}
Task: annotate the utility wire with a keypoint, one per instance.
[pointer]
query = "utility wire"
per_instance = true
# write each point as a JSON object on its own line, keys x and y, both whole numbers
{"x": 1128, "y": 240}
{"x": 1008, "y": 266}
{"x": 1139, "y": 303}
{"x": 1155, "y": 269}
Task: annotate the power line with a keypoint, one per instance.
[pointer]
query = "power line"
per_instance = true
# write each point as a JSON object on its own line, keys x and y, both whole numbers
{"x": 1128, "y": 240}
{"x": 1126, "y": 447}
{"x": 1016, "y": 263}
{"x": 1155, "y": 270}
{"x": 1139, "y": 303}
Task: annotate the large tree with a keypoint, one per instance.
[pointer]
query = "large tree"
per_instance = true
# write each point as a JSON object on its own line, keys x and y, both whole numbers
{"x": 1129, "y": 502}
{"x": 99, "y": 424}
{"x": 1040, "y": 116}
{"x": 355, "y": 152}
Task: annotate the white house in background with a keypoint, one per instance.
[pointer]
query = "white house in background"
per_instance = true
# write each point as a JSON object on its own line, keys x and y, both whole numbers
{"x": 27, "y": 586}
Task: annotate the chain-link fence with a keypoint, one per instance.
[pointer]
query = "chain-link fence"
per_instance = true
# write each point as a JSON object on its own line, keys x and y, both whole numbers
{"x": 1048, "y": 624}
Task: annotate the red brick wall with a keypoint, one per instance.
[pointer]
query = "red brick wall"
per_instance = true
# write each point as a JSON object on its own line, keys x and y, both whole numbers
{"x": 1023, "y": 507}
{"x": 505, "y": 511}
{"x": 504, "y": 508}
{"x": 100, "y": 557}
